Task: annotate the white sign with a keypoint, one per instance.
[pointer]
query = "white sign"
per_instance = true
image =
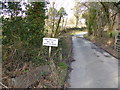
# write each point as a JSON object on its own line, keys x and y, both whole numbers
{"x": 50, "y": 42}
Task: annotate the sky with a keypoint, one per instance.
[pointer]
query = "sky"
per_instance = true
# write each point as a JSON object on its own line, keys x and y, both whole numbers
{"x": 67, "y": 4}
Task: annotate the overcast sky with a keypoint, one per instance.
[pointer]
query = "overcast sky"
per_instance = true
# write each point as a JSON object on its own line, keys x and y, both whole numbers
{"x": 67, "y": 4}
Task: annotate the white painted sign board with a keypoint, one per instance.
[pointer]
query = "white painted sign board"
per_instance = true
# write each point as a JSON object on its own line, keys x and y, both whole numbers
{"x": 50, "y": 42}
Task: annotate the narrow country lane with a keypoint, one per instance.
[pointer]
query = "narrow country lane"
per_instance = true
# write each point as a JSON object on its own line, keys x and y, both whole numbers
{"x": 93, "y": 67}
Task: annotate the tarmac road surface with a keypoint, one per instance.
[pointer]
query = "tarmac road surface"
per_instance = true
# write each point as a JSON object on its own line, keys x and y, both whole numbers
{"x": 93, "y": 67}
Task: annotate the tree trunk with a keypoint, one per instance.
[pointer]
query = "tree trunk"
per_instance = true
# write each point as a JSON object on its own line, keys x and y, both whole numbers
{"x": 77, "y": 19}
{"x": 53, "y": 19}
{"x": 106, "y": 10}
{"x": 56, "y": 31}
{"x": 65, "y": 24}
{"x": 62, "y": 24}
{"x": 118, "y": 19}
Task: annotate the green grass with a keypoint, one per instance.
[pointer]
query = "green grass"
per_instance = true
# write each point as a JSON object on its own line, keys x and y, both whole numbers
{"x": 62, "y": 65}
{"x": 114, "y": 33}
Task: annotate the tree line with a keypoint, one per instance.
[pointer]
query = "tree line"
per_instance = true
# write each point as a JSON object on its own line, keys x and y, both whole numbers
{"x": 99, "y": 17}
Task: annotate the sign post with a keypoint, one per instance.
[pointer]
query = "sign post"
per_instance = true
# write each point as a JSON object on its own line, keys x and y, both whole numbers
{"x": 49, "y": 51}
{"x": 51, "y": 42}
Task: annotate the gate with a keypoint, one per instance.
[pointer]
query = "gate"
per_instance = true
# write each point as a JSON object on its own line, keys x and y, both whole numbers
{"x": 117, "y": 45}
